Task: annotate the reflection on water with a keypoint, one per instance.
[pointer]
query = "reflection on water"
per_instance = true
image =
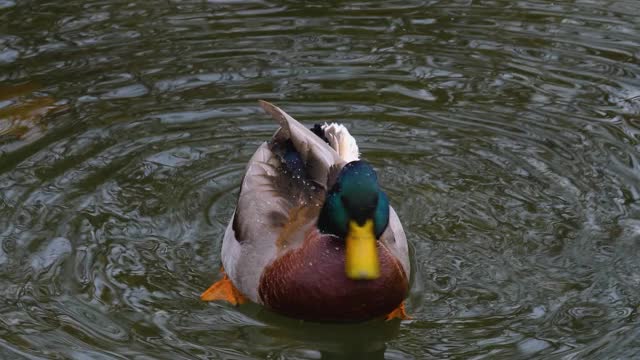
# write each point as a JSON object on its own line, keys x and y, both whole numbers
{"x": 506, "y": 134}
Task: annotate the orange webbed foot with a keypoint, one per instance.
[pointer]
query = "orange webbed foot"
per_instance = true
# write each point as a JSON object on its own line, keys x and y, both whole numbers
{"x": 399, "y": 313}
{"x": 224, "y": 290}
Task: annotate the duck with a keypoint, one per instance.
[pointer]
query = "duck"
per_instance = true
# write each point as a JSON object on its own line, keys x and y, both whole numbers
{"x": 313, "y": 235}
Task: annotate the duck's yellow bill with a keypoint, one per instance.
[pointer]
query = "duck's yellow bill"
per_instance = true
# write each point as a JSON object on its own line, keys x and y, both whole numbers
{"x": 361, "y": 261}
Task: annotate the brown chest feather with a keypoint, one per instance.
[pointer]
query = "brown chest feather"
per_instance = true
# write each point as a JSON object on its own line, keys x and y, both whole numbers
{"x": 310, "y": 283}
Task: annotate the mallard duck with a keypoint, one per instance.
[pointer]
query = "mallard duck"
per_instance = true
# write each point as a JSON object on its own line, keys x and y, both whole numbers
{"x": 313, "y": 236}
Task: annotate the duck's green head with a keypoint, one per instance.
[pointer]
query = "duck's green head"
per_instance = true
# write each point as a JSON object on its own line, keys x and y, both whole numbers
{"x": 357, "y": 210}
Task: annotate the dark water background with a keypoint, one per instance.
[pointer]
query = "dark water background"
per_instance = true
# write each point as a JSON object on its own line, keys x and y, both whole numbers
{"x": 505, "y": 132}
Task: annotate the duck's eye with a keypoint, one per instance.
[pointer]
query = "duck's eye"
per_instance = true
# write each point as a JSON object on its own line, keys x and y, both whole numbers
{"x": 345, "y": 200}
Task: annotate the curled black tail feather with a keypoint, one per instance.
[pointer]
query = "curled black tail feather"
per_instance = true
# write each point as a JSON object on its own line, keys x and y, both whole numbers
{"x": 317, "y": 129}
